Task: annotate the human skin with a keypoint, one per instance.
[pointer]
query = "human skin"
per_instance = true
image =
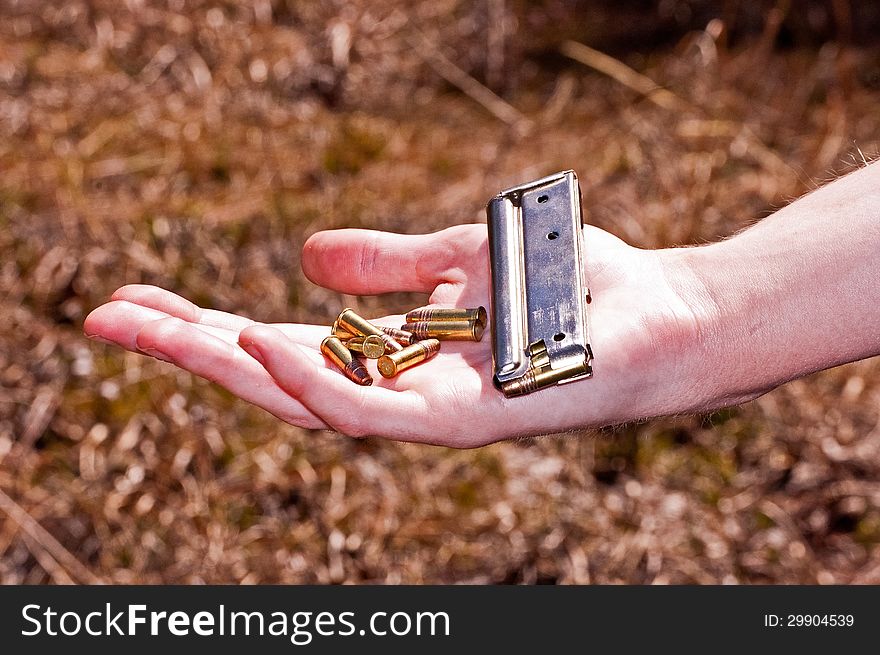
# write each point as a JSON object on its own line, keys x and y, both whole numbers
{"x": 673, "y": 330}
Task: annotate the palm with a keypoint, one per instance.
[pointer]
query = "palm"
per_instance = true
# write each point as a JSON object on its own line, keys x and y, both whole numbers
{"x": 449, "y": 400}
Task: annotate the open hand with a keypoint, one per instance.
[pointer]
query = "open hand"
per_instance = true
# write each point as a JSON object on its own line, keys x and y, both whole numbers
{"x": 642, "y": 323}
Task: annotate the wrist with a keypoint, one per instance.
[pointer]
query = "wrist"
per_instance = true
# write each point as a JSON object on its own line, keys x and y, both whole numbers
{"x": 710, "y": 344}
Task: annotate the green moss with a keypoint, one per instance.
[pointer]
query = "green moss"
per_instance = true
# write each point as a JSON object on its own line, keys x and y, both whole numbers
{"x": 464, "y": 494}
{"x": 762, "y": 521}
{"x": 352, "y": 148}
{"x": 443, "y": 166}
{"x": 489, "y": 464}
{"x": 225, "y": 458}
{"x": 124, "y": 557}
{"x": 243, "y": 516}
{"x": 867, "y": 530}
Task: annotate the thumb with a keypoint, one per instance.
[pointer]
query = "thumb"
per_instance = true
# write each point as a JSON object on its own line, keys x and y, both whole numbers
{"x": 370, "y": 262}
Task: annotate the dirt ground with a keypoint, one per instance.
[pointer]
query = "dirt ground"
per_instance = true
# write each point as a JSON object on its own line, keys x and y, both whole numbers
{"x": 195, "y": 145}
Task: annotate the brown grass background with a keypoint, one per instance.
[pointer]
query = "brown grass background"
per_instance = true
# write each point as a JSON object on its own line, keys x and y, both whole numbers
{"x": 195, "y": 145}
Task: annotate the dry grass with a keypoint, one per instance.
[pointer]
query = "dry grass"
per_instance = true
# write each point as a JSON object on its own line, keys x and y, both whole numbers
{"x": 196, "y": 146}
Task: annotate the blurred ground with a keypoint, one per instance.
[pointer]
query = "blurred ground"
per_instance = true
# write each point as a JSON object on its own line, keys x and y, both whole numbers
{"x": 195, "y": 145}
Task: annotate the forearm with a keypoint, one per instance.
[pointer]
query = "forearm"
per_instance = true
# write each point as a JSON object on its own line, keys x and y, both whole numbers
{"x": 796, "y": 293}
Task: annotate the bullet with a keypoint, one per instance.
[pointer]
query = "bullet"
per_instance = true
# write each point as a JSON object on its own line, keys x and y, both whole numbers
{"x": 471, "y": 330}
{"x": 353, "y": 368}
{"x": 341, "y": 333}
{"x": 372, "y": 347}
{"x": 451, "y": 314}
{"x": 401, "y": 337}
{"x": 539, "y": 356}
{"x": 540, "y": 377}
{"x": 350, "y": 321}
{"x": 391, "y": 365}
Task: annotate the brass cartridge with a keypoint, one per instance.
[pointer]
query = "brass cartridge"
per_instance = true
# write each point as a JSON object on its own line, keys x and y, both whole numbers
{"x": 372, "y": 347}
{"x": 353, "y": 368}
{"x": 471, "y": 330}
{"x": 341, "y": 333}
{"x": 453, "y": 314}
{"x": 349, "y": 320}
{"x": 401, "y": 337}
{"x": 391, "y": 365}
{"x": 540, "y": 377}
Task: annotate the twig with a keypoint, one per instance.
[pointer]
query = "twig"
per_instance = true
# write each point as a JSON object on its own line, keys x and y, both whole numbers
{"x": 495, "y": 43}
{"x": 664, "y": 98}
{"x": 39, "y": 415}
{"x": 497, "y": 106}
{"x": 44, "y": 545}
{"x": 772, "y": 24}
{"x": 49, "y": 564}
{"x": 620, "y": 72}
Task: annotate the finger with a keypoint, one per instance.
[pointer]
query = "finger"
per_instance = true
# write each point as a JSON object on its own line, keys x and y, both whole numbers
{"x": 174, "y": 305}
{"x": 119, "y": 322}
{"x": 122, "y": 323}
{"x": 170, "y": 304}
{"x": 185, "y": 345}
{"x": 347, "y": 407}
{"x": 370, "y": 262}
